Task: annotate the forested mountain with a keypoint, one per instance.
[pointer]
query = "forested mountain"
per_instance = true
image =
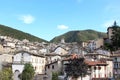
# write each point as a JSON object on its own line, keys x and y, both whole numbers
{"x": 7, "y": 31}
{"x": 79, "y": 36}
{"x": 71, "y": 36}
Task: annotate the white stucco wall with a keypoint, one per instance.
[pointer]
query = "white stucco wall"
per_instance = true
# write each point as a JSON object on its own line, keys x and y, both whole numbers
{"x": 11, "y": 44}
{"x": 38, "y": 62}
{"x": 55, "y": 58}
{"x": 6, "y": 58}
{"x": 43, "y": 50}
{"x": 0, "y": 65}
{"x": 17, "y": 67}
{"x": 110, "y": 69}
{"x": 87, "y": 77}
{"x": 26, "y": 57}
{"x": 60, "y": 51}
{"x": 17, "y": 57}
{"x": 22, "y": 56}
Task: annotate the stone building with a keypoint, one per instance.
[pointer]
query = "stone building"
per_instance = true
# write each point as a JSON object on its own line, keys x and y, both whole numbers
{"x": 22, "y": 57}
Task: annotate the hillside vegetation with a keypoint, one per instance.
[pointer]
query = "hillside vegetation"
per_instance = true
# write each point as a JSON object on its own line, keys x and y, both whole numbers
{"x": 7, "y": 31}
{"x": 79, "y": 36}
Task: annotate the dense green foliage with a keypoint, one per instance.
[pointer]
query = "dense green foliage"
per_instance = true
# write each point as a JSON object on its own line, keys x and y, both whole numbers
{"x": 6, "y": 74}
{"x": 7, "y": 31}
{"x": 114, "y": 43}
{"x": 28, "y": 72}
{"x": 115, "y": 37}
{"x": 79, "y": 36}
{"x": 76, "y": 68}
{"x": 54, "y": 76}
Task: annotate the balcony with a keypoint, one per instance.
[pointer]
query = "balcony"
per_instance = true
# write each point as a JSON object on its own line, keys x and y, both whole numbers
{"x": 20, "y": 62}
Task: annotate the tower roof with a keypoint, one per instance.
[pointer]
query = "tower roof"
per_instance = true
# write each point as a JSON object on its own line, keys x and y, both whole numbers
{"x": 114, "y": 23}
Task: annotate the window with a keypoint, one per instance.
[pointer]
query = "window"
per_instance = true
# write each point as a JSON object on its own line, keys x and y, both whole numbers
{"x": 45, "y": 69}
{"x": 117, "y": 65}
{"x": 48, "y": 66}
{"x": 110, "y": 74}
{"x": 35, "y": 67}
{"x": 114, "y": 65}
{"x": 115, "y": 59}
{"x": 52, "y": 66}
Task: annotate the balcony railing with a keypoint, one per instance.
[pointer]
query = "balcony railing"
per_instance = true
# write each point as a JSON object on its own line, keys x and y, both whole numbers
{"x": 20, "y": 62}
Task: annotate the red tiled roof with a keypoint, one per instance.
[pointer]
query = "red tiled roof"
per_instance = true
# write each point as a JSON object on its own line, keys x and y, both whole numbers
{"x": 89, "y": 62}
{"x": 94, "y": 63}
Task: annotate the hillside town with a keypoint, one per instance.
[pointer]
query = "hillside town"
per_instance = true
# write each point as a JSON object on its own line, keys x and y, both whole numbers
{"x": 49, "y": 58}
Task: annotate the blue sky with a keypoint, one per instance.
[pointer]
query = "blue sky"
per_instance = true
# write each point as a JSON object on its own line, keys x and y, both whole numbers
{"x": 49, "y": 18}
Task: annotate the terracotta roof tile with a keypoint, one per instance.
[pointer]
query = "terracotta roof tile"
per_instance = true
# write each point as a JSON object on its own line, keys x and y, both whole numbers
{"x": 95, "y": 63}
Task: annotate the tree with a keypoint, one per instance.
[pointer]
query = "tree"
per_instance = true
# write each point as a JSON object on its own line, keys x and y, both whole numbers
{"x": 113, "y": 43}
{"x": 116, "y": 36}
{"x": 54, "y": 76}
{"x": 28, "y": 72}
{"x": 6, "y": 74}
{"x": 76, "y": 68}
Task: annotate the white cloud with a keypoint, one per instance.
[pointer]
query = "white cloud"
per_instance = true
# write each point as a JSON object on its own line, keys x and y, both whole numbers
{"x": 27, "y": 19}
{"x": 62, "y": 27}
